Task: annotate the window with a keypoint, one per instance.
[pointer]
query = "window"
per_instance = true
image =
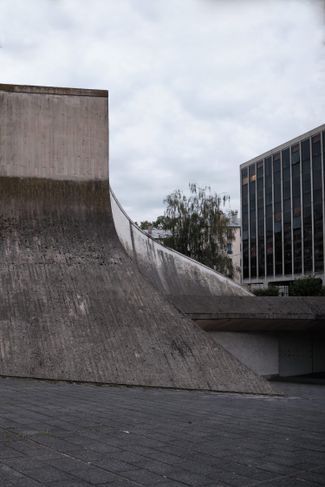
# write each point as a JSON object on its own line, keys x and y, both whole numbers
{"x": 252, "y": 219}
{"x": 269, "y": 216}
{"x": 286, "y": 188}
{"x": 318, "y": 205}
{"x": 244, "y": 179}
{"x": 296, "y": 204}
{"x": 277, "y": 216}
{"x": 306, "y": 199}
{"x": 260, "y": 219}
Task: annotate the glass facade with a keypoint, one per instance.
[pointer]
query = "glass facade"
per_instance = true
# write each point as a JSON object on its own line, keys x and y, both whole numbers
{"x": 277, "y": 214}
{"x": 245, "y": 243}
{"x": 252, "y": 219}
{"x": 317, "y": 203}
{"x": 282, "y": 198}
{"x": 260, "y": 219}
{"x": 286, "y": 189}
{"x": 268, "y": 216}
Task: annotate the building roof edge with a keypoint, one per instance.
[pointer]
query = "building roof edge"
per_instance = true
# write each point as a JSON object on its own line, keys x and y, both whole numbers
{"x": 284, "y": 145}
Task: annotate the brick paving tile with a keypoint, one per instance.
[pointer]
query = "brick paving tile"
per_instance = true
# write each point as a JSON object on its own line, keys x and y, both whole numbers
{"x": 69, "y": 435}
{"x": 93, "y": 475}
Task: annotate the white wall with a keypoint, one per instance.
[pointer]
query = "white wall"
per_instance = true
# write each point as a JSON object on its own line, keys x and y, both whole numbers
{"x": 260, "y": 352}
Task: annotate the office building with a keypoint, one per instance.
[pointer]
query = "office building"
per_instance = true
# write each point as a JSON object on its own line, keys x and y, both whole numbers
{"x": 282, "y": 206}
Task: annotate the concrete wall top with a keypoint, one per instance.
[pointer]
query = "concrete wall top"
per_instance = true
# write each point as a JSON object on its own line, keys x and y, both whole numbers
{"x": 53, "y": 90}
{"x": 53, "y": 133}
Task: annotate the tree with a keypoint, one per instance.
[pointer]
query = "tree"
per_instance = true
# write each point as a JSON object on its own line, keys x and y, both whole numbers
{"x": 199, "y": 228}
{"x": 158, "y": 223}
{"x": 307, "y": 286}
{"x": 266, "y": 291}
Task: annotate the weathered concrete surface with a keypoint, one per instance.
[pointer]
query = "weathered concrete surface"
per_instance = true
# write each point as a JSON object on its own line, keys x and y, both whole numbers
{"x": 269, "y": 313}
{"x": 73, "y": 305}
{"x": 53, "y": 133}
{"x": 207, "y": 297}
{"x": 169, "y": 271}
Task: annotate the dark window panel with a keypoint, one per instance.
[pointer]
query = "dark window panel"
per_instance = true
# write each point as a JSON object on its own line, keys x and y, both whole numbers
{"x": 245, "y": 259}
{"x": 287, "y": 249}
{"x": 259, "y": 169}
{"x": 286, "y": 158}
{"x": 305, "y": 150}
{"x": 260, "y": 217}
{"x": 296, "y": 205}
{"x": 324, "y": 156}
{"x": 261, "y": 258}
{"x": 276, "y": 163}
{"x": 253, "y": 257}
{"x": 244, "y": 176}
{"x": 318, "y": 204}
{"x": 277, "y": 215}
{"x": 268, "y": 167}
{"x": 297, "y": 250}
{"x": 252, "y": 201}
{"x": 316, "y": 147}
{"x": 306, "y": 198}
{"x": 295, "y": 156}
{"x": 269, "y": 253}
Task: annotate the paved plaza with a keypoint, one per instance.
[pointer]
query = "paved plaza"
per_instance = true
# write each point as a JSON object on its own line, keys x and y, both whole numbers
{"x": 60, "y": 434}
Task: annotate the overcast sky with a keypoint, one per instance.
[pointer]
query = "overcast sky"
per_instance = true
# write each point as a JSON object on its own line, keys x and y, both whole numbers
{"x": 196, "y": 86}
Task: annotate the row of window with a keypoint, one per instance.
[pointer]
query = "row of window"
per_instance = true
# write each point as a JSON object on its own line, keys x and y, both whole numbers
{"x": 282, "y": 209}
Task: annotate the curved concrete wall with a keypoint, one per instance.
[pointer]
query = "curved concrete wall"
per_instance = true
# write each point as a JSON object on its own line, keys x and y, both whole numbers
{"x": 73, "y": 305}
{"x": 169, "y": 271}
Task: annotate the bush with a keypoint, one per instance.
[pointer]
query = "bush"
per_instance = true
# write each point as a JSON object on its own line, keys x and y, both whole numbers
{"x": 307, "y": 286}
{"x": 266, "y": 291}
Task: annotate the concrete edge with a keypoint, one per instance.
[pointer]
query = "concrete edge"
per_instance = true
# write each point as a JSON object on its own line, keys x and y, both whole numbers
{"x": 51, "y": 90}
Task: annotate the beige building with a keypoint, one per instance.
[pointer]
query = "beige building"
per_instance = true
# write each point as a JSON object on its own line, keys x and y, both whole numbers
{"x": 233, "y": 246}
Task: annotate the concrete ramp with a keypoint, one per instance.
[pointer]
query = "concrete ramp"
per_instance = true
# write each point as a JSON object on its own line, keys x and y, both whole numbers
{"x": 74, "y": 306}
{"x": 171, "y": 273}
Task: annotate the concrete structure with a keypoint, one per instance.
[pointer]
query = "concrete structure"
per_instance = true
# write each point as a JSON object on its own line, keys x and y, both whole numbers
{"x": 171, "y": 273}
{"x": 283, "y": 212}
{"x": 74, "y": 306}
{"x": 53, "y": 133}
{"x": 252, "y": 329}
{"x": 281, "y": 354}
{"x": 271, "y": 335}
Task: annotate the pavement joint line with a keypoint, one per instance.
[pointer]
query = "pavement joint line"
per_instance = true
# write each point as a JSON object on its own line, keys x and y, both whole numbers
{"x": 141, "y": 386}
{"x": 90, "y": 463}
{"x": 22, "y": 476}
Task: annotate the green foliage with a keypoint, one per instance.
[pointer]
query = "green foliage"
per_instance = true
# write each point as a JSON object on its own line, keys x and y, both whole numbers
{"x": 266, "y": 291}
{"x": 307, "y": 286}
{"x": 145, "y": 225}
{"x": 160, "y": 222}
{"x": 199, "y": 228}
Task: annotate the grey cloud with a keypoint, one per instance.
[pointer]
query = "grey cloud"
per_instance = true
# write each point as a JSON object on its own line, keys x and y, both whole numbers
{"x": 196, "y": 86}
